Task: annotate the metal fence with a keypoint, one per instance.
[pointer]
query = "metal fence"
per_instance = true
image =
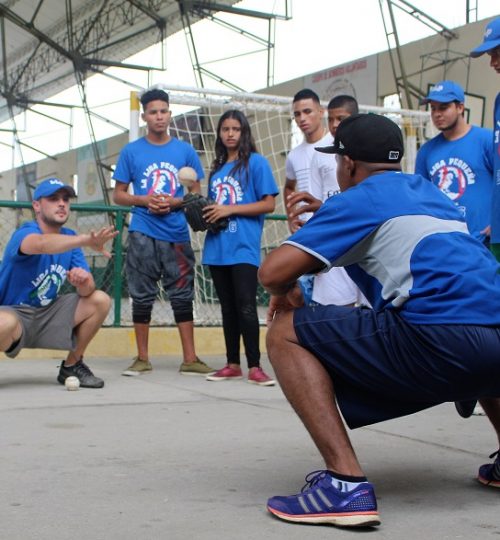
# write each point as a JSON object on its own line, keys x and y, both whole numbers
{"x": 110, "y": 275}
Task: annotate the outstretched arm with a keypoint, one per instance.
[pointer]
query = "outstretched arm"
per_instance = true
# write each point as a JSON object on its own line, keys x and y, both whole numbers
{"x": 51, "y": 243}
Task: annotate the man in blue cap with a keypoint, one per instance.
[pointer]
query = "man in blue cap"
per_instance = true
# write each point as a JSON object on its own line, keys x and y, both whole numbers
{"x": 459, "y": 161}
{"x": 40, "y": 256}
{"x": 432, "y": 336}
{"x": 491, "y": 46}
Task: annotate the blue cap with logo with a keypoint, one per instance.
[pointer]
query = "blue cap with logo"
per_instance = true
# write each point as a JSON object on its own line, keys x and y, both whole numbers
{"x": 49, "y": 187}
{"x": 445, "y": 92}
{"x": 491, "y": 38}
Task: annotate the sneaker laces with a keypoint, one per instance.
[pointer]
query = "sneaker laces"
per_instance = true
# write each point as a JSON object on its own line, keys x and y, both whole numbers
{"x": 313, "y": 478}
{"x": 82, "y": 370}
{"x": 198, "y": 361}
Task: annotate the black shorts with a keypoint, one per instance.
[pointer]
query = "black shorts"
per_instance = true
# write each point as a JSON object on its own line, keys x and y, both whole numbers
{"x": 382, "y": 367}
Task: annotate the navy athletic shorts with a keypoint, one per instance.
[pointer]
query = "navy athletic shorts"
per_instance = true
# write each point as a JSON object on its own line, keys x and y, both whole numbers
{"x": 382, "y": 367}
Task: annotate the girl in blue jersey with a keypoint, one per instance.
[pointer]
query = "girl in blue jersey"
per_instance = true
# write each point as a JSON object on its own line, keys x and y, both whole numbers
{"x": 242, "y": 184}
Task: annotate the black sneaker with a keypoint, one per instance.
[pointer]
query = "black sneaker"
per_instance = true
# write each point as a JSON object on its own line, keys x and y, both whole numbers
{"x": 82, "y": 372}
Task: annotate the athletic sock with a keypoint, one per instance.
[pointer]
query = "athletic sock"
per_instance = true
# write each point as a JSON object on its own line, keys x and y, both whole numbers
{"x": 345, "y": 483}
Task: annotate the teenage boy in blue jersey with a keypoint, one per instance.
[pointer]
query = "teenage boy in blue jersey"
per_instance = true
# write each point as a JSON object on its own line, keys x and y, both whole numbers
{"x": 159, "y": 247}
{"x": 38, "y": 259}
{"x": 432, "y": 336}
{"x": 491, "y": 46}
{"x": 460, "y": 159}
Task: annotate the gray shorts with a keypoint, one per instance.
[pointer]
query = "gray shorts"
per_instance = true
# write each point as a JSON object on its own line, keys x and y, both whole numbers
{"x": 150, "y": 261}
{"x": 49, "y": 327}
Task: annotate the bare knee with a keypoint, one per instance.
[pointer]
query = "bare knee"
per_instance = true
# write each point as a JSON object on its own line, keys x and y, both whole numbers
{"x": 100, "y": 300}
{"x": 10, "y": 329}
{"x": 95, "y": 306}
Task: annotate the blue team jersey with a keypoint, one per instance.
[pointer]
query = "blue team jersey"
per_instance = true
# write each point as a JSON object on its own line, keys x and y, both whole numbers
{"x": 462, "y": 170}
{"x": 153, "y": 168}
{"x": 35, "y": 280}
{"x": 495, "y": 216}
{"x": 407, "y": 248}
{"x": 240, "y": 241}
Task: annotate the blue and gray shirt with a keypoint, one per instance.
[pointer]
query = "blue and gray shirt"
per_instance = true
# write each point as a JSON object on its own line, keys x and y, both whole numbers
{"x": 406, "y": 246}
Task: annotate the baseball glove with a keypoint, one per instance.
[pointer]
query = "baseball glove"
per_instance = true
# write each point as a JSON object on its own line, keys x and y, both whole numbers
{"x": 193, "y": 205}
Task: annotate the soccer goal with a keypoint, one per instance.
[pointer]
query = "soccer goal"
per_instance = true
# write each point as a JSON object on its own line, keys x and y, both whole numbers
{"x": 195, "y": 115}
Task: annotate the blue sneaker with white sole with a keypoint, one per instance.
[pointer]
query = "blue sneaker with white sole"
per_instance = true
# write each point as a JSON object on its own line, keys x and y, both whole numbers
{"x": 322, "y": 503}
{"x": 489, "y": 474}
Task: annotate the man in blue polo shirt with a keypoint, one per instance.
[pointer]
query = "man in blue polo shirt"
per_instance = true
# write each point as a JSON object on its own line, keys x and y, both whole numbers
{"x": 432, "y": 336}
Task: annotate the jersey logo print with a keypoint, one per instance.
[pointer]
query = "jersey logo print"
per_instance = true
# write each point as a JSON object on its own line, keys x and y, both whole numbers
{"x": 47, "y": 290}
{"x": 162, "y": 181}
{"x": 451, "y": 181}
{"x": 227, "y": 190}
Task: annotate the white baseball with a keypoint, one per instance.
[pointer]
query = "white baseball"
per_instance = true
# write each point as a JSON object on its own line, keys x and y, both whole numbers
{"x": 187, "y": 176}
{"x": 72, "y": 383}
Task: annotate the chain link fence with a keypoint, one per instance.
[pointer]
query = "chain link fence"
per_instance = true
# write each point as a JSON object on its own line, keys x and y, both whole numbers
{"x": 110, "y": 275}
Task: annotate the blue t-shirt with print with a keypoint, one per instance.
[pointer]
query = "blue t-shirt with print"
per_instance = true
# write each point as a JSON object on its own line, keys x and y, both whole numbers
{"x": 462, "y": 170}
{"x": 35, "y": 280}
{"x": 153, "y": 168}
{"x": 407, "y": 248}
{"x": 240, "y": 241}
{"x": 495, "y": 216}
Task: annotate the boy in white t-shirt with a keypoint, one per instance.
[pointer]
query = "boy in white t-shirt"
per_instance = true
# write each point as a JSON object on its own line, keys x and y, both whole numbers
{"x": 335, "y": 286}
{"x": 308, "y": 115}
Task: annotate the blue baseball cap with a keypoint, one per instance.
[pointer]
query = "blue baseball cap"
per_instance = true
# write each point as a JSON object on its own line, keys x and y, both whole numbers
{"x": 444, "y": 92}
{"x": 50, "y": 186}
{"x": 491, "y": 39}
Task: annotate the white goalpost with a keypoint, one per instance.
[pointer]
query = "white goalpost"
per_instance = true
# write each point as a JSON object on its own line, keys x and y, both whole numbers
{"x": 195, "y": 113}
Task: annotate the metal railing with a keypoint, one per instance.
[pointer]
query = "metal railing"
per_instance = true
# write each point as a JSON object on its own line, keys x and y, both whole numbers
{"x": 110, "y": 275}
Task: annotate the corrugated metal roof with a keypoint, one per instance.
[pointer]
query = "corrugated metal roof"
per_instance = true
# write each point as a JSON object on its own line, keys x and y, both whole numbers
{"x": 44, "y": 39}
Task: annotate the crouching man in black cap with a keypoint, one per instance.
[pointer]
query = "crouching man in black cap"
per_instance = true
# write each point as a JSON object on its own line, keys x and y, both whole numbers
{"x": 432, "y": 336}
{"x": 39, "y": 258}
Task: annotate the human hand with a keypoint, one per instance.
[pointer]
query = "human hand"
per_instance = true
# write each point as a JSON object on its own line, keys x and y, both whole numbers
{"x": 295, "y": 224}
{"x": 99, "y": 238}
{"x": 160, "y": 203}
{"x": 214, "y": 212}
{"x": 486, "y": 231}
{"x": 301, "y": 202}
{"x": 283, "y": 303}
{"x": 78, "y": 277}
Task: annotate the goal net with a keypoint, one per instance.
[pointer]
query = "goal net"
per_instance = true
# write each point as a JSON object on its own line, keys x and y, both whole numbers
{"x": 195, "y": 115}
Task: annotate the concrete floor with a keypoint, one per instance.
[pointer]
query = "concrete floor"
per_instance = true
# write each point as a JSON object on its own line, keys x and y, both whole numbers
{"x": 165, "y": 456}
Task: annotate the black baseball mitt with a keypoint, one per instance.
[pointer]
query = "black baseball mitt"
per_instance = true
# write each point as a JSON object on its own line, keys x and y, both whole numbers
{"x": 193, "y": 205}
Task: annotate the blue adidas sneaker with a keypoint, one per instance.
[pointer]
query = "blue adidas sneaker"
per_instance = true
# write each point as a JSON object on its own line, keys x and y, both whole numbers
{"x": 321, "y": 503}
{"x": 489, "y": 474}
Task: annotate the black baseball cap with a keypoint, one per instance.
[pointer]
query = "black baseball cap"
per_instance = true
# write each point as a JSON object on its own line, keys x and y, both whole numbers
{"x": 367, "y": 137}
